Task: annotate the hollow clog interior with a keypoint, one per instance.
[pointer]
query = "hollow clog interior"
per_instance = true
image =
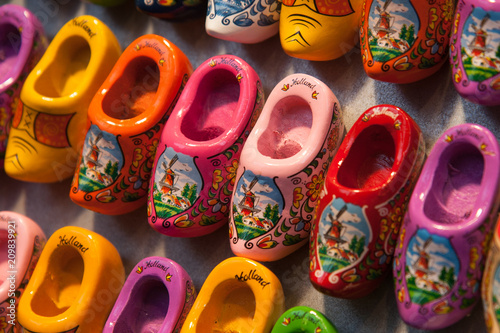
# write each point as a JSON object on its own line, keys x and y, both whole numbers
{"x": 4, "y": 262}
{"x": 456, "y": 184}
{"x": 231, "y": 308}
{"x": 146, "y": 308}
{"x": 370, "y": 159}
{"x": 134, "y": 91}
{"x": 213, "y": 109}
{"x": 10, "y": 44}
{"x": 288, "y": 129}
{"x": 61, "y": 284}
{"x": 66, "y": 72}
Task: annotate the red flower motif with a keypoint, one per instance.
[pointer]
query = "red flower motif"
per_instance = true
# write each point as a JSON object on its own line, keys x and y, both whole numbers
{"x": 315, "y": 186}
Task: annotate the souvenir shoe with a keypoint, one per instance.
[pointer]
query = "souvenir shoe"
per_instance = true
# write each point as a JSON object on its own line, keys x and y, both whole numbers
{"x": 303, "y": 319}
{"x": 474, "y": 55}
{"x": 49, "y": 124}
{"x": 239, "y": 295}
{"x": 22, "y": 43}
{"x": 441, "y": 253}
{"x": 282, "y": 169}
{"x": 75, "y": 284}
{"x": 361, "y": 206}
{"x": 21, "y": 242}
{"x": 316, "y": 30}
{"x": 198, "y": 155}
{"x": 405, "y": 41}
{"x": 167, "y": 9}
{"x": 244, "y": 22}
{"x": 156, "y": 297}
{"x": 489, "y": 286}
{"x": 126, "y": 118}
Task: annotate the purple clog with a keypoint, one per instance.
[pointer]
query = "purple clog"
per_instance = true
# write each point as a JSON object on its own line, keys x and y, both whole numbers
{"x": 441, "y": 251}
{"x": 156, "y": 297}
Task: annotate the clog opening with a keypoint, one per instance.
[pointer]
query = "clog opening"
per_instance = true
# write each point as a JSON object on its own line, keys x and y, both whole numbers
{"x": 61, "y": 285}
{"x": 213, "y": 110}
{"x": 66, "y": 71}
{"x": 135, "y": 91}
{"x": 288, "y": 129}
{"x": 4, "y": 261}
{"x": 146, "y": 307}
{"x": 370, "y": 159}
{"x": 456, "y": 184}
{"x": 231, "y": 308}
{"x": 10, "y": 44}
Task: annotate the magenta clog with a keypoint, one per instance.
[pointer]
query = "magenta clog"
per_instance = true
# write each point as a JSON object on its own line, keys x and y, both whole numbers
{"x": 441, "y": 251}
{"x": 282, "y": 168}
{"x": 198, "y": 154}
{"x": 21, "y": 243}
{"x": 156, "y": 297}
{"x": 22, "y": 44}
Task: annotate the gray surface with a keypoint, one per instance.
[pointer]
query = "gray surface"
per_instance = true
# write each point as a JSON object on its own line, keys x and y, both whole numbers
{"x": 433, "y": 103}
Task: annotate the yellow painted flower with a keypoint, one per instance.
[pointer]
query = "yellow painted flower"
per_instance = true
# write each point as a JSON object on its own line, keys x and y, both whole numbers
{"x": 217, "y": 178}
{"x": 232, "y": 169}
{"x": 315, "y": 186}
{"x": 297, "y": 197}
{"x": 448, "y": 10}
{"x": 137, "y": 157}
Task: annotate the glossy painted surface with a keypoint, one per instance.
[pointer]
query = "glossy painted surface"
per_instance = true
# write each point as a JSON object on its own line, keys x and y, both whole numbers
{"x": 239, "y": 295}
{"x": 441, "y": 251}
{"x": 319, "y": 30}
{"x": 169, "y": 9}
{"x": 22, "y": 44}
{"x": 156, "y": 297}
{"x": 303, "y": 319}
{"x": 249, "y": 21}
{"x": 198, "y": 155}
{"x": 404, "y": 41}
{"x": 126, "y": 118}
{"x": 74, "y": 285}
{"x": 490, "y": 291}
{"x": 362, "y": 204}
{"x": 475, "y": 51}
{"x": 282, "y": 169}
{"x": 48, "y": 128}
{"x": 21, "y": 243}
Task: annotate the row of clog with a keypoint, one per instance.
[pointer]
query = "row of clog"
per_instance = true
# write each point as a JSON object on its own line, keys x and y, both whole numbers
{"x": 74, "y": 281}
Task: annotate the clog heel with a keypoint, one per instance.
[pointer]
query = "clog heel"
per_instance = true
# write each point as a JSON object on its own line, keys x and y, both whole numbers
{"x": 364, "y": 199}
{"x": 239, "y": 295}
{"x": 156, "y": 297}
{"x": 440, "y": 256}
{"x": 48, "y": 127}
{"x": 22, "y": 43}
{"x": 21, "y": 242}
{"x": 198, "y": 154}
{"x": 282, "y": 169}
{"x": 74, "y": 285}
{"x": 303, "y": 319}
{"x": 126, "y": 118}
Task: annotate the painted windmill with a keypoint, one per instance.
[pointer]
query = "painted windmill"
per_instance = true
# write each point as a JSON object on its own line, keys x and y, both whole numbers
{"x": 334, "y": 234}
{"x": 478, "y": 44}
{"x": 421, "y": 265}
{"x": 167, "y": 182}
{"x": 92, "y": 158}
{"x": 248, "y": 203}
{"x": 383, "y": 27}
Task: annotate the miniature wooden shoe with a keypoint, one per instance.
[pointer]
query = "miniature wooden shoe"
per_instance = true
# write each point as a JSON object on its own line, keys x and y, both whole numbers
{"x": 474, "y": 55}
{"x": 361, "y": 206}
{"x": 317, "y": 30}
{"x": 490, "y": 293}
{"x": 404, "y": 41}
{"x": 198, "y": 154}
{"x": 21, "y": 242}
{"x": 303, "y": 319}
{"x": 126, "y": 118}
{"x": 49, "y": 124}
{"x": 74, "y": 285}
{"x": 282, "y": 169}
{"x": 239, "y": 295}
{"x": 156, "y": 297}
{"x": 168, "y": 9}
{"x": 22, "y": 43}
{"x": 244, "y": 22}
{"x": 442, "y": 248}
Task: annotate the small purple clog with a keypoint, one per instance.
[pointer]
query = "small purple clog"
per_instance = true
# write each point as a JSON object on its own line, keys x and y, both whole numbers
{"x": 156, "y": 297}
{"x": 441, "y": 251}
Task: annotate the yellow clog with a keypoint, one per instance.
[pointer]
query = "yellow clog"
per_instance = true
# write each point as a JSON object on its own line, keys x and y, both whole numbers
{"x": 48, "y": 127}
{"x": 74, "y": 285}
{"x": 239, "y": 295}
